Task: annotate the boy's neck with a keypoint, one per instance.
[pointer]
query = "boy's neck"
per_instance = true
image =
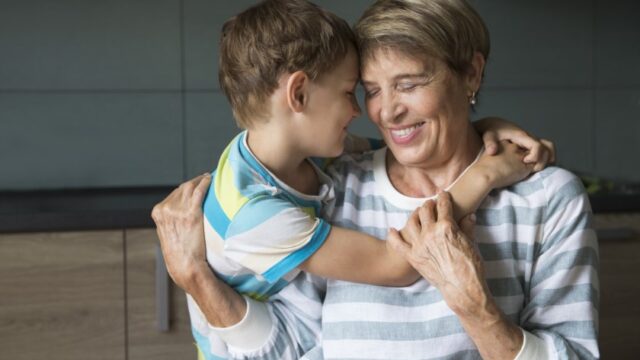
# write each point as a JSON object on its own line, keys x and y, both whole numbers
{"x": 277, "y": 151}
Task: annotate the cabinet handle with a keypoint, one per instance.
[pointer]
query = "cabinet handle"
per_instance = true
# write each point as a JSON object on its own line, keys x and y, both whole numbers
{"x": 162, "y": 292}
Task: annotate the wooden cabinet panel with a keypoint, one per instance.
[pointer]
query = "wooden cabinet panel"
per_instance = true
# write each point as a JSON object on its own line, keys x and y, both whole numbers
{"x": 619, "y": 288}
{"x": 62, "y": 296}
{"x": 144, "y": 340}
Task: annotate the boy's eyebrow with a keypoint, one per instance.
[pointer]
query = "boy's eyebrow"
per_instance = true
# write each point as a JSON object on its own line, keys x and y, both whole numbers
{"x": 400, "y": 77}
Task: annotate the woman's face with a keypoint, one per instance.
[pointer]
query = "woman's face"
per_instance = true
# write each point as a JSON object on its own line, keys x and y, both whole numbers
{"x": 420, "y": 108}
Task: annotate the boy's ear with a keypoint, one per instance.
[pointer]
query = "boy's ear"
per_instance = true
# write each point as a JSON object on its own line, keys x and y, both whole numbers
{"x": 297, "y": 91}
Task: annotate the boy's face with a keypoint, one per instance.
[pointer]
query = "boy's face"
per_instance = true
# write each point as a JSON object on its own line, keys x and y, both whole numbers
{"x": 332, "y": 106}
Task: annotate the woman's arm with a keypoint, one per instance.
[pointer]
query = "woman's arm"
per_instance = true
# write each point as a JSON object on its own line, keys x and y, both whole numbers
{"x": 253, "y": 330}
{"x": 445, "y": 255}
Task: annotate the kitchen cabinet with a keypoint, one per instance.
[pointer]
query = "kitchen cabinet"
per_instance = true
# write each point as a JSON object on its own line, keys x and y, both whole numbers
{"x": 145, "y": 341}
{"x": 92, "y": 295}
{"x": 62, "y": 296}
{"x": 86, "y": 295}
{"x": 619, "y": 285}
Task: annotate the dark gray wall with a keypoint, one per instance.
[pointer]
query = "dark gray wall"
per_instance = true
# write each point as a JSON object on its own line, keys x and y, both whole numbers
{"x": 124, "y": 92}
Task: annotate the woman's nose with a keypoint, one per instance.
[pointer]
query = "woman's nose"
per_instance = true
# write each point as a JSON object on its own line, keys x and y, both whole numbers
{"x": 389, "y": 108}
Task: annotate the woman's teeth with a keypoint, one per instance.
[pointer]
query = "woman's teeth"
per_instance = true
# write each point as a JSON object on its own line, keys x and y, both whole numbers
{"x": 406, "y": 131}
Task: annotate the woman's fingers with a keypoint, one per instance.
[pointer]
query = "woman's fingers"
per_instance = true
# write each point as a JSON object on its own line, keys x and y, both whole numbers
{"x": 201, "y": 189}
{"x": 397, "y": 242}
{"x": 444, "y": 207}
{"x": 427, "y": 213}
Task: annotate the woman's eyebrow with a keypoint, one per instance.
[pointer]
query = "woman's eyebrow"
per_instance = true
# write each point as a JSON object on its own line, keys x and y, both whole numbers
{"x": 421, "y": 75}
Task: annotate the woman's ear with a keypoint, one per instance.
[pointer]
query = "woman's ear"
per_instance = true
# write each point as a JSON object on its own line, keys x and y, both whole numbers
{"x": 297, "y": 91}
{"x": 474, "y": 75}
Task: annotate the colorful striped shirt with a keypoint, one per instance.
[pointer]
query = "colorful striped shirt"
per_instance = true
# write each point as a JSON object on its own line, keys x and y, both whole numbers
{"x": 258, "y": 230}
{"x": 541, "y": 263}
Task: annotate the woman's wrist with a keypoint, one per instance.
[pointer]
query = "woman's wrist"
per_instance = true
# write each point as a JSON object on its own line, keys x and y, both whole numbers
{"x": 487, "y": 325}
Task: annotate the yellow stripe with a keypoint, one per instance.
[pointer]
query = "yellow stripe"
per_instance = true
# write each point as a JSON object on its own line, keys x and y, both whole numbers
{"x": 310, "y": 211}
{"x": 200, "y": 354}
{"x": 230, "y": 199}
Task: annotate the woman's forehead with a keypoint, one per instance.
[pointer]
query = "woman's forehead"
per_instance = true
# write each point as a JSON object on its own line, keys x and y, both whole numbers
{"x": 392, "y": 61}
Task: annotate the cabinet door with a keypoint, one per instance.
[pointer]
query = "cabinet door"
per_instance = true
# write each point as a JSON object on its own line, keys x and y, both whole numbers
{"x": 145, "y": 341}
{"x": 619, "y": 288}
{"x": 62, "y": 296}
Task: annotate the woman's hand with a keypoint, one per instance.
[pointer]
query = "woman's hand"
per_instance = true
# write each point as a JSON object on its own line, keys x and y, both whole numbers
{"x": 180, "y": 228}
{"x": 540, "y": 152}
{"x": 445, "y": 255}
{"x": 504, "y": 168}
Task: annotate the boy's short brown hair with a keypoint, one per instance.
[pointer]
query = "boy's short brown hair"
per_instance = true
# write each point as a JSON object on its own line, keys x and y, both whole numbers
{"x": 272, "y": 38}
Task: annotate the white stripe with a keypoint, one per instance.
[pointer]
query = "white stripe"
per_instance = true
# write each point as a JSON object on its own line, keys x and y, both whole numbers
{"x": 503, "y": 199}
{"x": 382, "y": 349}
{"x": 549, "y": 315}
{"x": 378, "y": 312}
{"x": 268, "y": 243}
{"x": 374, "y": 218}
{"x": 580, "y": 239}
{"x": 576, "y": 275}
{"x": 517, "y": 233}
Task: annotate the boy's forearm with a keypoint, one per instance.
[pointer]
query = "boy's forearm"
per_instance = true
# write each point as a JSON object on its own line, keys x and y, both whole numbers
{"x": 221, "y": 305}
{"x": 353, "y": 256}
{"x": 470, "y": 190}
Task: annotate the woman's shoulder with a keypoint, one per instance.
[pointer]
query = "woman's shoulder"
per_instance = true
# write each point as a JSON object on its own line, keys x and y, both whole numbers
{"x": 539, "y": 190}
{"x": 555, "y": 179}
{"x": 561, "y": 189}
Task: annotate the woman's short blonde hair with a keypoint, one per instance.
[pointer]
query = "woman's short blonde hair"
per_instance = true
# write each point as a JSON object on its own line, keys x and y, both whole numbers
{"x": 448, "y": 30}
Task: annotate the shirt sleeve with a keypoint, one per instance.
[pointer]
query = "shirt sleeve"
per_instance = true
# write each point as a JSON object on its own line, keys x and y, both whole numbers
{"x": 272, "y": 236}
{"x": 287, "y": 327}
{"x": 560, "y": 316}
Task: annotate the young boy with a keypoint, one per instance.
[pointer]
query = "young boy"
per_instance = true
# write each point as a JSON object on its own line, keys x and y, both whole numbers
{"x": 289, "y": 70}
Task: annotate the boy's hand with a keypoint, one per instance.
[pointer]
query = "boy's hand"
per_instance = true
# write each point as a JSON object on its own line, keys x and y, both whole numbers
{"x": 504, "y": 168}
{"x": 540, "y": 152}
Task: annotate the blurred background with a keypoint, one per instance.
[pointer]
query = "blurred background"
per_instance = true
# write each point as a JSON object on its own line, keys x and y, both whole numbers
{"x": 105, "y": 106}
{"x": 124, "y": 93}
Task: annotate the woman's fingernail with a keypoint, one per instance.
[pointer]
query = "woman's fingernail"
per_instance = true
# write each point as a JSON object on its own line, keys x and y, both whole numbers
{"x": 472, "y": 217}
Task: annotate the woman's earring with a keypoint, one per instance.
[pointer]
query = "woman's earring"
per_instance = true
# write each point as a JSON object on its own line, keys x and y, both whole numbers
{"x": 473, "y": 99}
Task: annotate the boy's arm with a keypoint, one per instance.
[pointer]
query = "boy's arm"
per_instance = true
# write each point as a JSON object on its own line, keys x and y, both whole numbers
{"x": 353, "y": 256}
{"x": 489, "y": 172}
{"x": 540, "y": 152}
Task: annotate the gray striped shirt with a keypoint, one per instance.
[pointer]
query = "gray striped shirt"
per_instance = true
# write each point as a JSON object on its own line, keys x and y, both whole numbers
{"x": 541, "y": 264}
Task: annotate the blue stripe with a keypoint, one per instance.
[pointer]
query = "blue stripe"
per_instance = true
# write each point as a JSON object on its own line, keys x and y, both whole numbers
{"x": 255, "y": 212}
{"x": 250, "y": 285}
{"x": 252, "y": 161}
{"x": 392, "y": 331}
{"x": 294, "y": 259}
{"x": 203, "y": 344}
{"x": 214, "y": 213}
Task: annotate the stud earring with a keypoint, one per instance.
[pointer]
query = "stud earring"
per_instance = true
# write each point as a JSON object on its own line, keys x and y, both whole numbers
{"x": 473, "y": 99}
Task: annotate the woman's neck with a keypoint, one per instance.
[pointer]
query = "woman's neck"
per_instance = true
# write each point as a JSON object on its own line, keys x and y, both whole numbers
{"x": 430, "y": 179}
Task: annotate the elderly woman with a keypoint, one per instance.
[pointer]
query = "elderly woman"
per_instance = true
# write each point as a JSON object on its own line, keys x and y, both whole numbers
{"x": 521, "y": 284}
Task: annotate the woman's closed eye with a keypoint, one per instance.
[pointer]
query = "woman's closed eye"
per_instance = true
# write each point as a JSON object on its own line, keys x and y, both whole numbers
{"x": 369, "y": 93}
